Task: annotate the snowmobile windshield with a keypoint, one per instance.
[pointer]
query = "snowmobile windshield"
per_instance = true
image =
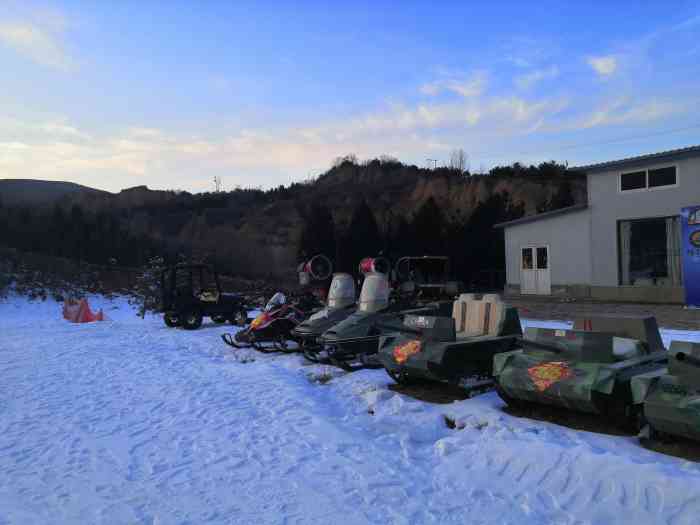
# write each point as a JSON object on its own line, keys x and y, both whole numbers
{"x": 342, "y": 291}
{"x": 375, "y": 293}
{"x": 276, "y": 301}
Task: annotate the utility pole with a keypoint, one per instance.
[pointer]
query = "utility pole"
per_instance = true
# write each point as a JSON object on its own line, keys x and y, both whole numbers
{"x": 434, "y": 161}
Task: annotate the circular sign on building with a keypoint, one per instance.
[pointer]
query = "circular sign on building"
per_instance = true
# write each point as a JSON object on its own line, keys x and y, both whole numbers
{"x": 695, "y": 238}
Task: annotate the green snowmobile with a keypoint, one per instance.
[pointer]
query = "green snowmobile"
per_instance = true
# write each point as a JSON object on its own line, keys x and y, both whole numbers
{"x": 671, "y": 397}
{"x": 582, "y": 370}
{"x": 457, "y": 349}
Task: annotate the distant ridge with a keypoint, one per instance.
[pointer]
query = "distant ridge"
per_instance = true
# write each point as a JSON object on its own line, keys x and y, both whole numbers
{"x": 39, "y": 192}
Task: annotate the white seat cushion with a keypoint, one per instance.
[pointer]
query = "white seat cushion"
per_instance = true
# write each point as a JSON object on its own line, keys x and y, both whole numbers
{"x": 459, "y": 314}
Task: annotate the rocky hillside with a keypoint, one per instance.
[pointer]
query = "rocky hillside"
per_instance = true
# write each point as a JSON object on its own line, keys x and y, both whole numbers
{"x": 258, "y": 232}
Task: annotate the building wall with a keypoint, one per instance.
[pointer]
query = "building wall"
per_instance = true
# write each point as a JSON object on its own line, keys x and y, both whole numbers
{"x": 568, "y": 237}
{"x": 607, "y": 205}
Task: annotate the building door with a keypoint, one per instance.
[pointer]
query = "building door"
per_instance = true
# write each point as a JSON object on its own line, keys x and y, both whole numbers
{"x": 544, "y": 283}
{"x": 534, "y": 270}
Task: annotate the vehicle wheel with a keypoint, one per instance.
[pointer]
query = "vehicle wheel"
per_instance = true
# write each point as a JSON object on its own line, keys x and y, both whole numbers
{"x": 218, "y": 319}
{"x": 171, "y": 320}
{"x": 192, "y": 320}
{"x": 239, "y": 318}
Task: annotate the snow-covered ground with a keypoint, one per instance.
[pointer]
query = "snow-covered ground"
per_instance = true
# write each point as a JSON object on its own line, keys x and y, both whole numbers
{"x": 127, "y": 421}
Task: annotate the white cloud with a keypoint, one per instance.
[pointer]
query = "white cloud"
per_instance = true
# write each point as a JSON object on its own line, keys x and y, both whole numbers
{"x": 39, "y": 44}
{"x": 604, "y": 66}
{"x": 623, "y": 111}
{"x": 528, "y": 80}
{"x": 465, "y": 87}
{"x": 251, "y": 157}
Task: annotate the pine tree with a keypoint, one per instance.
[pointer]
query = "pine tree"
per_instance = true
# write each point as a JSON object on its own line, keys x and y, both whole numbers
{"x": 147, "y": 289}
{"x": 361, "y": 240}
{"x": 429, "y": 228}
{"x": 318, "y": 233}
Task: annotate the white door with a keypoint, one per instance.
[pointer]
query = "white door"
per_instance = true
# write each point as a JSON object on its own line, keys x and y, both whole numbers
{"x": 534, "y": 270}
{"x": 544, "y": 283}
{"x": 528, "y": 280}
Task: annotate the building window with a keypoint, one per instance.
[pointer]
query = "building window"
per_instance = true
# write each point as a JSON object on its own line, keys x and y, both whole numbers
{"x": 662, "y": 177}
{"x": 650, "y": 252}
{"x": 633, "y": 181}
{"x": 648, "y": 179}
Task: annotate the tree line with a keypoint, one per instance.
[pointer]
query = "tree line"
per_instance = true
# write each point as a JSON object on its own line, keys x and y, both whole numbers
{"x": 131, "y": 237}
{"x": 475, "y": 248}
{"x": 75, "y": 234}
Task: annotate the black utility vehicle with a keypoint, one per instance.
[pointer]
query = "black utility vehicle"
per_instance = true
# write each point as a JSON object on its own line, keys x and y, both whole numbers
{"x": 192, "y": 292}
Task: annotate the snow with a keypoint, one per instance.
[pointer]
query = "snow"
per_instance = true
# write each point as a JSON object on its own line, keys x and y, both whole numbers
{"x": 127, "y": 421}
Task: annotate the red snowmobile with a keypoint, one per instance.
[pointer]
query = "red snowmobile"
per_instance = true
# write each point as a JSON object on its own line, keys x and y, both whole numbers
{"x": 271, "y": 329}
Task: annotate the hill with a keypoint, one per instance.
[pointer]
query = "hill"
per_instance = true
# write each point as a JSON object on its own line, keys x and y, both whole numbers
{"x": 39, "y": 192}
{"x": 352, "y": 210}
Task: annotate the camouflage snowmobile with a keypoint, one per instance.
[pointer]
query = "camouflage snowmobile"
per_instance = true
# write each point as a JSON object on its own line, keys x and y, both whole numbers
{"x": 582, "y": 370}
{"x": 352, "y": 343}
{"x": 671, "y": 397}
{"x": 457, "y": 349}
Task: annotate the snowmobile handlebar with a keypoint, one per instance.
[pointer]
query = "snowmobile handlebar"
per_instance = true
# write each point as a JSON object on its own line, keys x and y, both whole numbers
{"x": 687, "y": 358}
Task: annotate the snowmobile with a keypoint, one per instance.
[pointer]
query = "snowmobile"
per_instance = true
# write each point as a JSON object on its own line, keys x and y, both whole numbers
{"x": 458, "y": 350}
{"x": 340, "y": 304}
{"x": 671, "y": 397}
{"x": 191, "y": 292}
{"x": 273, "y": 325}
{"x": 279, "y": 317}
{"x": 581, "y": 370}
{"x": 352, "y": 343}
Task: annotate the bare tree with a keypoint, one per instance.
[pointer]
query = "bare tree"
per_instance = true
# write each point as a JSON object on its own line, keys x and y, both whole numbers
{"x": 458, "y": 160}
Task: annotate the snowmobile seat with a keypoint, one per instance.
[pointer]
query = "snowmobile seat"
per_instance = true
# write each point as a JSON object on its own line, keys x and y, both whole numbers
{"x": 475, "y": 318}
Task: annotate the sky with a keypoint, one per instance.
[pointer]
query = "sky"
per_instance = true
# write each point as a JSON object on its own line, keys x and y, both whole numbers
{"x": 172, "y": 94}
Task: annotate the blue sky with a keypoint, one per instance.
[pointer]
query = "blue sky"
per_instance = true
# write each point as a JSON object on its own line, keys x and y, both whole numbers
{"x": 171, "y": 94}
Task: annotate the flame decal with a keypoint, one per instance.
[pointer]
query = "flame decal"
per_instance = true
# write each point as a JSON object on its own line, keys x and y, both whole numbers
{"x": 262, "y": 318}
{"x": 546, "y": 374}
{"x": 406, "y": 350}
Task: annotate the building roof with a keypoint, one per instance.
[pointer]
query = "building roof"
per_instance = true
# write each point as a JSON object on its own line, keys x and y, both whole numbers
{"x": 540, "y": 216}
{"x": 602, "y": 166}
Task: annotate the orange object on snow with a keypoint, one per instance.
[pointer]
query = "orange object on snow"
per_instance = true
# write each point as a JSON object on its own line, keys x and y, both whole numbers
{"x": 79, "y": 312}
